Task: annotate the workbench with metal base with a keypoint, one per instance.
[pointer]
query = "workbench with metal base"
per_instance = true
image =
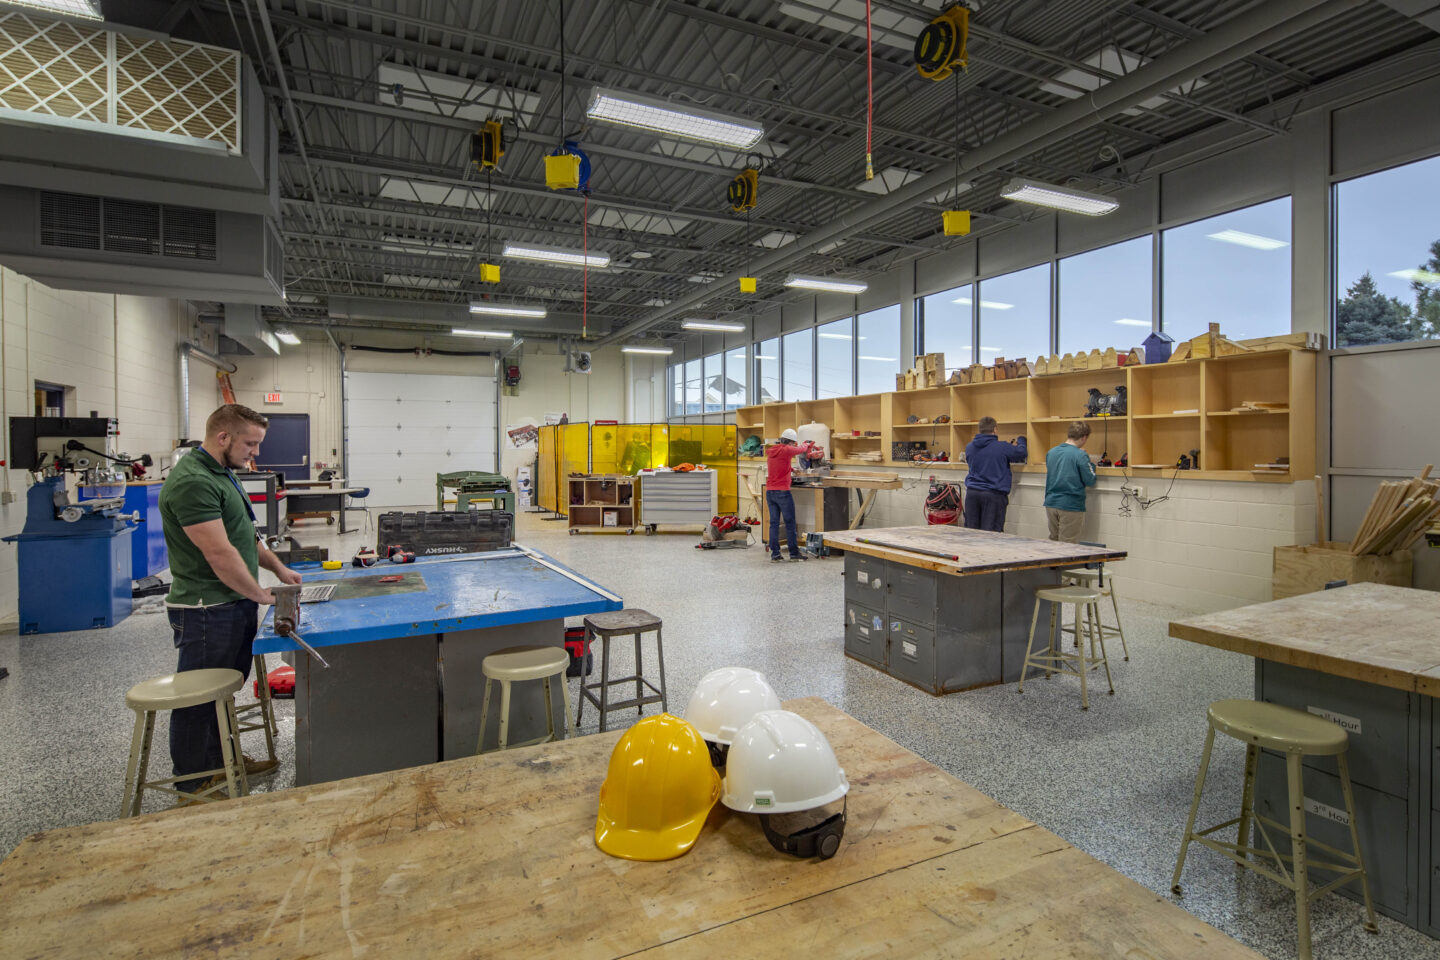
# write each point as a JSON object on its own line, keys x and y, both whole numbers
{"x": 945, "y": 608}
{"x": 404, "y": 685}
{"x": 1365, "y": 656}
{"x": 493, "y": 856}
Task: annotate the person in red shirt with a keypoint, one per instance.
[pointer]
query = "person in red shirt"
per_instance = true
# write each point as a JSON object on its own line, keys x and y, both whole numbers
{"x": 778, "y": 498}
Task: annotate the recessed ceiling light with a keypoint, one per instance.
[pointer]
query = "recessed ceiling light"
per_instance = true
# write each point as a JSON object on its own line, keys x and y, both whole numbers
{"x": 713, "y": 325}
{"x": 567, "y": 258}
{"x": 986, "y": 304}
{"x": 1131, "y": 322}
{"x": 1251, "y": 240}
{"x": 641, "y": 254}
{"x": 765, "y": 356}
{"x": 658, "y": 351}
{"x": 507, "y": 310}
{"x": 670, "y": 120}
{"x": 880, "y": 359}
{"x": 492, "y": 334}
{"x": 801, "y": 282}
{"x": 1058, "y": 198}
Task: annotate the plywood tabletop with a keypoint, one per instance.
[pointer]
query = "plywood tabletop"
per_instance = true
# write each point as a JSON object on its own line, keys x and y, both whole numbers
{"x": 494, "y": 856}
{"x": 1365, "y": 631}
{"x": 979, "y": 551}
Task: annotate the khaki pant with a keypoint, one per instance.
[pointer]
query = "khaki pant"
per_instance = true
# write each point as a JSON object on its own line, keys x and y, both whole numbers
{"x": 1064, "y": 524}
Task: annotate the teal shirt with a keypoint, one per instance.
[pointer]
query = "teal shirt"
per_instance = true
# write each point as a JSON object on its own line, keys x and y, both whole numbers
{"x": 1067, "y": 473}
{"x": 199, "y": 489}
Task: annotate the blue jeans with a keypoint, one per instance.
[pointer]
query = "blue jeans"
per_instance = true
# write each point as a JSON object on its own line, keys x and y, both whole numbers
{"x": 781, "y": 503}
{"x": 219, "y": 636}
{"x": 985, "y": 509}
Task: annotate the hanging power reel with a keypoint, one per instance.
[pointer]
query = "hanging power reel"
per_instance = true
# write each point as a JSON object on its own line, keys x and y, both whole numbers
{"x": 487, "y": 145}
{"x": 940, "y": 48}
{"x": 744, "y": 190}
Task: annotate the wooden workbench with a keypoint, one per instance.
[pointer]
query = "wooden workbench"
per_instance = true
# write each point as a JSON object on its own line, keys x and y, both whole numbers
{"x": 494, "y": 856}
{"x": 1366, "y": 656}
{"x": 871, "y": 483}
{"x": 942, "y": 624}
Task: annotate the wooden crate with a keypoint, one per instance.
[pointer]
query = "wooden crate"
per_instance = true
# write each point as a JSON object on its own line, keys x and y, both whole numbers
{"x": 1300, "y": 570}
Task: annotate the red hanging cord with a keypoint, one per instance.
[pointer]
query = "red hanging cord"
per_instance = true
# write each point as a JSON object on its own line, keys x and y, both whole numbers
{"x": 869, "y": 96}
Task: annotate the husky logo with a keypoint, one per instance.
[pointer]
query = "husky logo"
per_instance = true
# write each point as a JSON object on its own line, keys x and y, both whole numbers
{"x": 434, "y": 550}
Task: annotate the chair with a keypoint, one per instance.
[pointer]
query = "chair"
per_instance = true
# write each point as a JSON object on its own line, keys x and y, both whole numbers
{"x": 361, "y": 494}
{"x": 1296, "y": 735}
{"x": 619, "y": 623}
{"x": 516, "y": 664}
{"x": 189, "y": 688}
{"x": 1053, "y": 658}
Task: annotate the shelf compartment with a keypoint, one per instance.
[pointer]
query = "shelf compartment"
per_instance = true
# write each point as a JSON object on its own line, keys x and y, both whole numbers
{"x": 1163, "y": 439}
{"x": 1064, "y": 396}
{"x": 1240, "y": 442}
{"x": 1163, "y": 388}
{"x": 933, "y": 402}
{"x": 857, "y": 413}
{"x": 1005, "y": 400}
{"x": 1230, "y": 381}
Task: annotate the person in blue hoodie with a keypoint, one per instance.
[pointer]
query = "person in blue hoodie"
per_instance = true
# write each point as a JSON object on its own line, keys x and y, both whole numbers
{"x": 987, "y": 485}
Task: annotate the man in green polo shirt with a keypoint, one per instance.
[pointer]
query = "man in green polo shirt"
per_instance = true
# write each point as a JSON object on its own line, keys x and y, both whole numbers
{"x": 215, "y": 556}
{"x": 1068, "y": 471}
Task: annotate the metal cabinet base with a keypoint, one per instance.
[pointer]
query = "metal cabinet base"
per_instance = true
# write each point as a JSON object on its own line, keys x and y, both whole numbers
{"x": 397, "y": 703}
{"x": 943, "y": 633}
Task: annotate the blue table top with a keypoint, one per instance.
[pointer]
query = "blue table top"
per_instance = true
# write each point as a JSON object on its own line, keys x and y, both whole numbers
{"x": 476, "y": 591}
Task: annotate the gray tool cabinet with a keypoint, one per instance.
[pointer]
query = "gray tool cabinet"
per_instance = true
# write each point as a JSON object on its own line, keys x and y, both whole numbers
{"x": 683, "y": 498}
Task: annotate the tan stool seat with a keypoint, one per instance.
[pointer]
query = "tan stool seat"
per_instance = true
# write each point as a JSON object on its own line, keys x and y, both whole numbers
{"x": 1085, "y": 577}
{"x": 623, "y": 621}
{"x": 186, "y": 689}
{"x": 525, "y": 663}
{"x": 602, "y": 628}
{"x": 1273, "y": 727}
{"x": 1068, "y": 594}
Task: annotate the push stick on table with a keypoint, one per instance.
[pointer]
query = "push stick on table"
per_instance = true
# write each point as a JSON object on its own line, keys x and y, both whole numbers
{"x": 896, "y": 546}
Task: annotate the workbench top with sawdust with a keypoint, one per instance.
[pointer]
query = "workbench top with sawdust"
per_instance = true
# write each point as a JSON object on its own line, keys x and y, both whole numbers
{"x": 979, "y": 551}
{"x": 1365, "y": 631}
{"x": 494, "y": 856}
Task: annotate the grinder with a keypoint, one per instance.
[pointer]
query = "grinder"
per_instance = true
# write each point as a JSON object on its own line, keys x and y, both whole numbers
{"x": 287, "y": 617}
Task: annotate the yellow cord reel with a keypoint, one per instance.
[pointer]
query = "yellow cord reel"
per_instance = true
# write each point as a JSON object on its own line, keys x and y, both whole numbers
{"x": 941, "y": 45}
{"x": 743, "y": 190}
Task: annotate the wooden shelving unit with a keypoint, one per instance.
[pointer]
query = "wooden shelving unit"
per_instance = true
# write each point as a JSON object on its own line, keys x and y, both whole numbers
{"x": 592, "y": 498}
{"x": 1172, "y": 408}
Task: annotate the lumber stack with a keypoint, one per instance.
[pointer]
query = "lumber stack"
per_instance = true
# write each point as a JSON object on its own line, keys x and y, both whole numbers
{"x": 1398, "y": 515}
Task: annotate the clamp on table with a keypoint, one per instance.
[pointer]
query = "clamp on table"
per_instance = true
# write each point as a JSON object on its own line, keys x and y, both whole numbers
{"x": 287, "y": 617}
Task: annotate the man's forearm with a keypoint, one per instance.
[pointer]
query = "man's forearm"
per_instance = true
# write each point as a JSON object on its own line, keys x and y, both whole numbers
{"x": 231, "y": 569}
{"x": 270, "y": 562}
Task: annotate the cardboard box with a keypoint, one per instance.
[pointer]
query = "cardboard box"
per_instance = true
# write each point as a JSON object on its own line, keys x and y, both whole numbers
{"x": 1300, "y": 570}
{"x": 610, "y": 518}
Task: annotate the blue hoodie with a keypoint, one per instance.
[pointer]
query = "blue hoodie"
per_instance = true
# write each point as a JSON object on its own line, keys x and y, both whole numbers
{"x": 989, "y": 459}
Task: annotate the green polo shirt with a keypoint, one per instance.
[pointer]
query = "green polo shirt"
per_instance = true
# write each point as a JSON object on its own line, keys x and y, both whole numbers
{"x": 198, "y": 490}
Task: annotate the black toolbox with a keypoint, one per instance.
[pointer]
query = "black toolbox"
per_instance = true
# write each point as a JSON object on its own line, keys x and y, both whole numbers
{"x": 428, "y": 534}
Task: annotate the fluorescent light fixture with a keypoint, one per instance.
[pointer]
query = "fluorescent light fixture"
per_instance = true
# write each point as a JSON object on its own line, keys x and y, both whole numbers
{"x": 986, "y": 304}
{"x": 765, "y": 356}
{"x": 829, "y": 286}
{"x": 492, "y": 334}
{"x": 285, "y": 336}
{"x": 1252, "y": 240}
{"x": 670, "y": 119}
{"x": 568, "y": 258}
{"x": 507, "y": 310}
{"x": 990, "y": 349}
{"x": 1060, "y": 198}
{"x": 1131, "y": 322}
{"x": 880, "y": 359}
{"x": 1415, "y": 275}
{"x": 713, "y": 325}
{"x": 657, "y": 351}
{"x": 834, "y": 336}
{"x": 641, "y": 254}
{"x": 73, "y": 8}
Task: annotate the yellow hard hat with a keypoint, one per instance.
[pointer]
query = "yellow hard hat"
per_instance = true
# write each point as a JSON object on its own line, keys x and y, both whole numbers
{"x": 658, "y": 791}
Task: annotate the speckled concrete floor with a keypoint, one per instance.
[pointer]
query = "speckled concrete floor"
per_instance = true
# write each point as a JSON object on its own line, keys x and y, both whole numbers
{"x": 1115, "y": 781}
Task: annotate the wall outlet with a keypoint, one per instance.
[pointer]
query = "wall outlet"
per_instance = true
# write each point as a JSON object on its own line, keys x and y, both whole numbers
{"x": 1134, "y": 490}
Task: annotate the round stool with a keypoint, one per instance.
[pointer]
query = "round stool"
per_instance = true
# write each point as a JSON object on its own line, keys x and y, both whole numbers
{"x": 1083, "y": 577}
{"x": 1297, "y": 735}
{"x": 522, "y": 663}
{"x": 1053, "y": 658}
{"x": 262, "y": 706}
{"x": 186, "y": 689}
{"x": 622, "y": 623}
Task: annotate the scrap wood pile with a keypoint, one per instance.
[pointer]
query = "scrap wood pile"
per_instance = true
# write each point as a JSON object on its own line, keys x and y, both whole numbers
{"x": 1398, "y": 515}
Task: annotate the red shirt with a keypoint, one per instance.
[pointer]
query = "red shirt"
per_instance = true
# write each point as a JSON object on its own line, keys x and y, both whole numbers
{"x": 779, "y": 459}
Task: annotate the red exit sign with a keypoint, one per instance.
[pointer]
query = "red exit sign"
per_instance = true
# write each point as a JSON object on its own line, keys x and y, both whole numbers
{"x": 273, "y": 398}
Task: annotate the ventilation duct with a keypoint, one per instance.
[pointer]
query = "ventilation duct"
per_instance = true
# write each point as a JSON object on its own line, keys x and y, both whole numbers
{"x": 246, "y": 334}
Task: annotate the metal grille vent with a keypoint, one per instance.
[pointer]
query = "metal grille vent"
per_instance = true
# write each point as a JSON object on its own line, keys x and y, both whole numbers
{"x": 126, "y": 226}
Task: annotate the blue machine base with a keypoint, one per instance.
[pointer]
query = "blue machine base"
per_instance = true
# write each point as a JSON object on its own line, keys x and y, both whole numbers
{"x": 74, "y": 583}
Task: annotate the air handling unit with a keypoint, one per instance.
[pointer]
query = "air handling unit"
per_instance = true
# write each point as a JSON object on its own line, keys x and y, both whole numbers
{"x": 136, "y": 164}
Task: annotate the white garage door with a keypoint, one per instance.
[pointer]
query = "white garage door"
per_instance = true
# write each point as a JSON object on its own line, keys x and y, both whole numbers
{"x": 403, "y": 428}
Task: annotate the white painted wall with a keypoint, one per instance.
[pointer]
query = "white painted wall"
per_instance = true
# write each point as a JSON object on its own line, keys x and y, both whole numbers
{"x": 307, "y": 377}
{"x": 120, "y": 356}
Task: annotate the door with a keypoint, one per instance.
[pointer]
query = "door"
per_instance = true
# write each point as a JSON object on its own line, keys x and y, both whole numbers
{"x": 286, "y": 448}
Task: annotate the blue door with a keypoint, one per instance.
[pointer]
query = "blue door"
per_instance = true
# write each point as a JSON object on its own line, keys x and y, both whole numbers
{"x": 286, "y": 448}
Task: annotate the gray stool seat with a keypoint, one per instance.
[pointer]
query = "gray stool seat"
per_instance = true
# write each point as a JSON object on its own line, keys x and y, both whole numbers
{"x": 189, "y": 688}
{"x": 1103, "y": 581}
{"x": 1297, "y": 735}
{"x": 602, "y": 628}
{"x": 518, "y": 664}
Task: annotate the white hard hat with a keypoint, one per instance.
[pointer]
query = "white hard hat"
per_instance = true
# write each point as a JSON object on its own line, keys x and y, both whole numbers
{"x": 725, "y": 699}
{"x": 780, "y": 763}
{"x": 789, "y": 434}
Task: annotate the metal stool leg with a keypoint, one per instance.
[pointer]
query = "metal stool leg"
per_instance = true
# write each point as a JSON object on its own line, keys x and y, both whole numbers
{"x": 1119, "y": 626}
{"x": 227, "y": 754}
{"x": 235, "y": 747}
{"x": 604, "y": 681}
{"x": 1194, "y": 808}
{"x": 267, "y": 710}
{"x": 1343, "y": 764}
{"x": 660, "y": 658}
{"x": 585, "y": 649}
{"x": 1247, "y": 801}
{"x": 570, "y": 722}
{"x": 1299, "y": 872}
{"x": 1084, "y": 670}
{"x": 504, "y": 713}
{"x": 1030, "y": 647}
{"x": 130, "y": 805}
{"x": 639, "y": 679}
{"x": 549, "y": 712}
{"x": 485, "y": 716}
{"x": 1097, "y": 635}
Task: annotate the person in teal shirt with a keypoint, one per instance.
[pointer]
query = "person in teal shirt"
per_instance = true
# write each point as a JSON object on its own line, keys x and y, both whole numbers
{"x": 1068, "y": 471}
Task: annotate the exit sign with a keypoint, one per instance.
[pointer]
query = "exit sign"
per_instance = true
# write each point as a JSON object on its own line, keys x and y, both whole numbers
{"x": 273, "y": 398}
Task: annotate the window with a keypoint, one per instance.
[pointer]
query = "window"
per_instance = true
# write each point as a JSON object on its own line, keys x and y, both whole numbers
{"x": 1387, "y": 256}
{"x": 693, "y": 379}
{"x": 946, "y": 327}
{"x": 877, "y": 352}
{"x": 834, "y": 359}
{"x": 796, "y": 358}
{"x": 714, "y": 390}
{"x": 1105, "y": 297}
{"x": 1015, "y": 315}
{"x": 735, "y": 379}
{"x": 767, "y": 371}
{"x": 1233, "y": 269}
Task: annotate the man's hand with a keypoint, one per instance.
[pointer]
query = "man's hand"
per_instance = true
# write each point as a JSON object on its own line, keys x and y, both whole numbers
{"x": 289, "y": 576}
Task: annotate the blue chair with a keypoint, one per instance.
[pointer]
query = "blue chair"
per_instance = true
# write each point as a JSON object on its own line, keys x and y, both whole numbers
{"x": 363, "y": 493}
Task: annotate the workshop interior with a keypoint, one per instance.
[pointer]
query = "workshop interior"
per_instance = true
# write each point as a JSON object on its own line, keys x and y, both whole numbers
{"x": 722, "y": 477}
